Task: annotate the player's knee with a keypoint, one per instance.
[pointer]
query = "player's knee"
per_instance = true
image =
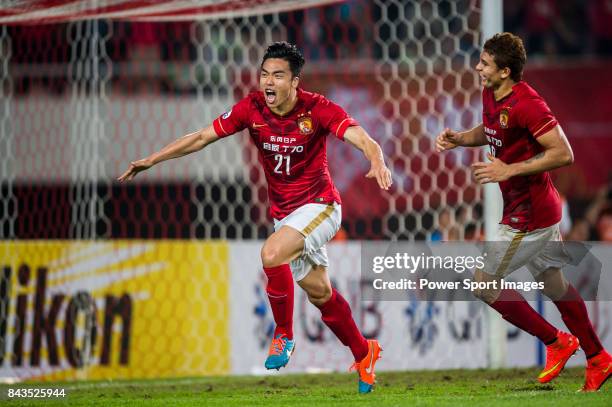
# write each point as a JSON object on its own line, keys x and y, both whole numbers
{"x": 554, "y": 283}
{"x": 270, "y": 256}
{"x": 551, "y": 294}
{"x": 555, "y": 291}
{"x": 319, "y": 292}
{"x": 478, "y": 293}
{"x": 485, "y": 286}
{"x": 486, "y": 294}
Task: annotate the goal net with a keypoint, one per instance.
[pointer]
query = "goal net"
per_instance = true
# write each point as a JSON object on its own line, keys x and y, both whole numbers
{"x": 82, "y": 98}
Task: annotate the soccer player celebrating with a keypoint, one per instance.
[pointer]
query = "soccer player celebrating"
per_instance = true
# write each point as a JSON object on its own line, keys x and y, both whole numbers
{"x": 288, "y": 125}
{"x": 526, "y": 141}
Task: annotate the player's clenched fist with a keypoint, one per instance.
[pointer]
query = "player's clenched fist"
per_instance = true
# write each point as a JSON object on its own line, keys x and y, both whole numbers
{"x": 134, "y": 168}
{"x": 447, "y": 140}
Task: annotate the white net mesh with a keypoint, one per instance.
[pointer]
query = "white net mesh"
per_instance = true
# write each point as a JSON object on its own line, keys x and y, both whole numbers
{"x": 93, "y": 95}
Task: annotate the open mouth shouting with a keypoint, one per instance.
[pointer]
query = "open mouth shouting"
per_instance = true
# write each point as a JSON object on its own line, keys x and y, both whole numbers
{"x": 270, "y": 95}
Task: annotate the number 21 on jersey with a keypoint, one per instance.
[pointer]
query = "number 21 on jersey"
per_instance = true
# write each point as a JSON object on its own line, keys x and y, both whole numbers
{"x": 279, "y": 164}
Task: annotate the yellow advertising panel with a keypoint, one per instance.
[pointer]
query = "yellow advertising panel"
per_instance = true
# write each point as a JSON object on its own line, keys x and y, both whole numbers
{"x": 113, "y": 309}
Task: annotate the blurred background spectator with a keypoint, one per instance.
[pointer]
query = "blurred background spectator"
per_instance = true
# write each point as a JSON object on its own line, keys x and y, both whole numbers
{"x": 553, "y": 28}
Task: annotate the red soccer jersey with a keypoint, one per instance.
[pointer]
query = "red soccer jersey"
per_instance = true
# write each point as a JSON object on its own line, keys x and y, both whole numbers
{"x": 512, "y": 126}
{"x": 291, "y": 148}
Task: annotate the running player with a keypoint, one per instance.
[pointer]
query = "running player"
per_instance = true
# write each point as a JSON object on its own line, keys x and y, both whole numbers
{"x": 289, "y": 127}
{"x": 525, "y": 142}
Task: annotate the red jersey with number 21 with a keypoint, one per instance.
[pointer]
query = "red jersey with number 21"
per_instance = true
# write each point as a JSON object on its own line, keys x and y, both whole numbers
{"x": 291, "y": 148}
{"x": 512, "y": 126}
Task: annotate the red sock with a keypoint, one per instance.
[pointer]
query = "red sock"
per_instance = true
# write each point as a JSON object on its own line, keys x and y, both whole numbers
{"x": 574, "y": 314}
{"x": 280, "y": 295}
{"x": 514, "y": 309}
{"x": 336, "y": 313}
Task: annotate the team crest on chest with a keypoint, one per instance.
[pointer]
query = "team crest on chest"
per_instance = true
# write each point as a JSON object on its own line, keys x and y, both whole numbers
{"x": 503, "y": 117}
{"x": 304, "y": 123}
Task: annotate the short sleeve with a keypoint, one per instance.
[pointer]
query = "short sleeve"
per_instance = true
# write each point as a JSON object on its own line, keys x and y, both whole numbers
{"x": 234, "y": 120}
{"x": 534, "y": 115}
{"x": 333, "y": 118}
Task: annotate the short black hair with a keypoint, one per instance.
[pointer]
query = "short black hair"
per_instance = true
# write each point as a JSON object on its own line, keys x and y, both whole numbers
{"x": 508, "y": 51}
{"x": 288, "y": 52}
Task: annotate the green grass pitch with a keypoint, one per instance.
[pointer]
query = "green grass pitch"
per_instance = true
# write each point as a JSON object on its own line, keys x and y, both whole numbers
{"x": 507, "y": 387}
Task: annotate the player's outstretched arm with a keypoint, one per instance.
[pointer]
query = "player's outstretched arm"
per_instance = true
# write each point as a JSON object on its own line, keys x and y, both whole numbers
{"x": 358, "y": 137}
{"x": 449, "y": 139}
{"x": 185, "y": 145}
{"x": 557, "y": 153}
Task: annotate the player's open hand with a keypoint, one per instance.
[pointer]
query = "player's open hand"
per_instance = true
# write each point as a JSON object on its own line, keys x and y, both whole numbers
{"x": 495, "y": 171}
{"x": 134, "y": 168}
{"x": 447, "y": 140}
{"x": 382, "y": 175}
